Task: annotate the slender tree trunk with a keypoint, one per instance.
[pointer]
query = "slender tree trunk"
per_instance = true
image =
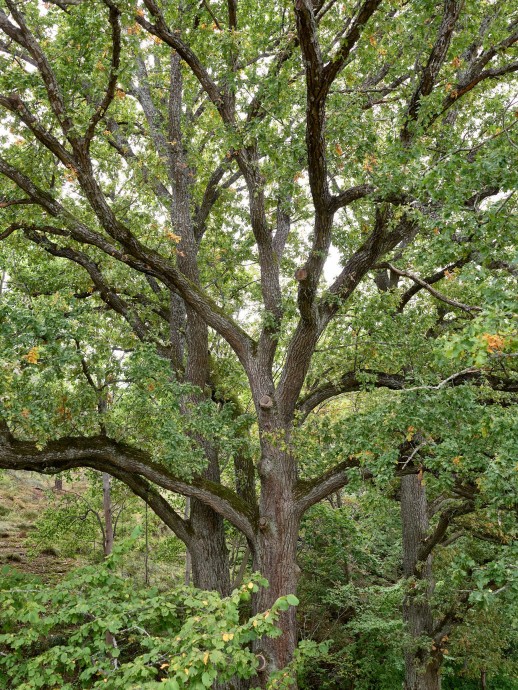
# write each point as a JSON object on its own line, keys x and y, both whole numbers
{"x": 108, "y": 518}
{"x": 58, "y": 484}
{"x": 422, "y": 670}
{"x": 188, "y": 558}
{"x": 108, "y": 543}
{"x": 146, "y": 554}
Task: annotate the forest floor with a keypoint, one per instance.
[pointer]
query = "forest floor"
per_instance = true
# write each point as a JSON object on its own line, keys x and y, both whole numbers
{"x": 23, "y": 497}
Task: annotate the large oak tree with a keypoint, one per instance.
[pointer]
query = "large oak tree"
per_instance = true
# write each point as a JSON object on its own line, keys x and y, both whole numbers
{"x": 284, "y": 202}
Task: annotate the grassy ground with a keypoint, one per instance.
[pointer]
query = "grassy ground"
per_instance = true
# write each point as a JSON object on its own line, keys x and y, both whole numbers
{"x": 23, "y": 497}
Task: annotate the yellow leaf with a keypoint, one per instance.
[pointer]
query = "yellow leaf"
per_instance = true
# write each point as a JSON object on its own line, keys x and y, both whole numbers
{"x": 33, "y": 355}
{"x": 250, "y": 585}
{"x": 493, "y": 342}
{"x": 206, "y": 658}
{"x": 173, "y": 237}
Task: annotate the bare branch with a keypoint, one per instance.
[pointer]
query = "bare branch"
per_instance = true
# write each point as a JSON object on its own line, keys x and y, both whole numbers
{"x": 210, "y": 197}
{"x": 16, "y": 106}
{"x": 422, "y": 283}
{"x": 348, "y": 383}
{"x": 157, "y": 503}
{"x": 349, "y": 195}
{"x": 312, "y": 491}
{"x": 430, "y": 280}
{"x": 5, "y": 203}
{"x": 309, "y": 329}
{"x": 474, "y": 73}
{"x": 439, "y": 532}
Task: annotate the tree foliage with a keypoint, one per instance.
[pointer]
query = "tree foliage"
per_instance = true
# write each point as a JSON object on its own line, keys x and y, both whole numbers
{"x": 217, "y": 218}
{"x": 56, "y": 637}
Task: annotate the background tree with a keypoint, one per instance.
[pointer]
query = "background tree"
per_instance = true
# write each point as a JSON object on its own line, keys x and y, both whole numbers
{"x": 191, "y": 160}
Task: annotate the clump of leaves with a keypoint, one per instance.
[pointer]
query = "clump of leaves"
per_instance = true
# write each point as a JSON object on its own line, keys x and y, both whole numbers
{"x": 95, "y": 629}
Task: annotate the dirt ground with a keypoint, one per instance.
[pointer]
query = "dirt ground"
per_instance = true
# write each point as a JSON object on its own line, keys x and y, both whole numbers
{"x": 23, "y": 496}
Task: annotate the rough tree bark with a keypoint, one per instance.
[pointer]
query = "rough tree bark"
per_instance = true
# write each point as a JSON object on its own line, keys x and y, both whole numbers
{"x": 108, "y": 542}
{"x": 102, "y": 229}
{"x": 275, "y": 549}
{"x": 108, "y": 517}
{"x": 421, "y": 667}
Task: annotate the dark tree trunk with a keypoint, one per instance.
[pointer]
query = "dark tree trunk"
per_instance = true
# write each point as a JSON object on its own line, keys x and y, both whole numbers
{"x": 58, "y": 484}
{"x": 422, "y": 668}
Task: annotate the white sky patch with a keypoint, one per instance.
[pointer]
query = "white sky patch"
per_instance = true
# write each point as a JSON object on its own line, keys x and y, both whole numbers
{"x": 332, "y": 266}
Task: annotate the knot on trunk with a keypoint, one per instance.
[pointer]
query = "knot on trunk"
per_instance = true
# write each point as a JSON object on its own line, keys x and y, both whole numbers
{"x": 265, "y": 402}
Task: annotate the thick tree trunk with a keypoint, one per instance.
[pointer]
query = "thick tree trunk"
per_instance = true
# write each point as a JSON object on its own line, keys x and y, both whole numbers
{"x": 275, "y": 560}
{"x": 422, "y": 669}
{"x": 208, "y": 550}
{"x": 275, "y": 555}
